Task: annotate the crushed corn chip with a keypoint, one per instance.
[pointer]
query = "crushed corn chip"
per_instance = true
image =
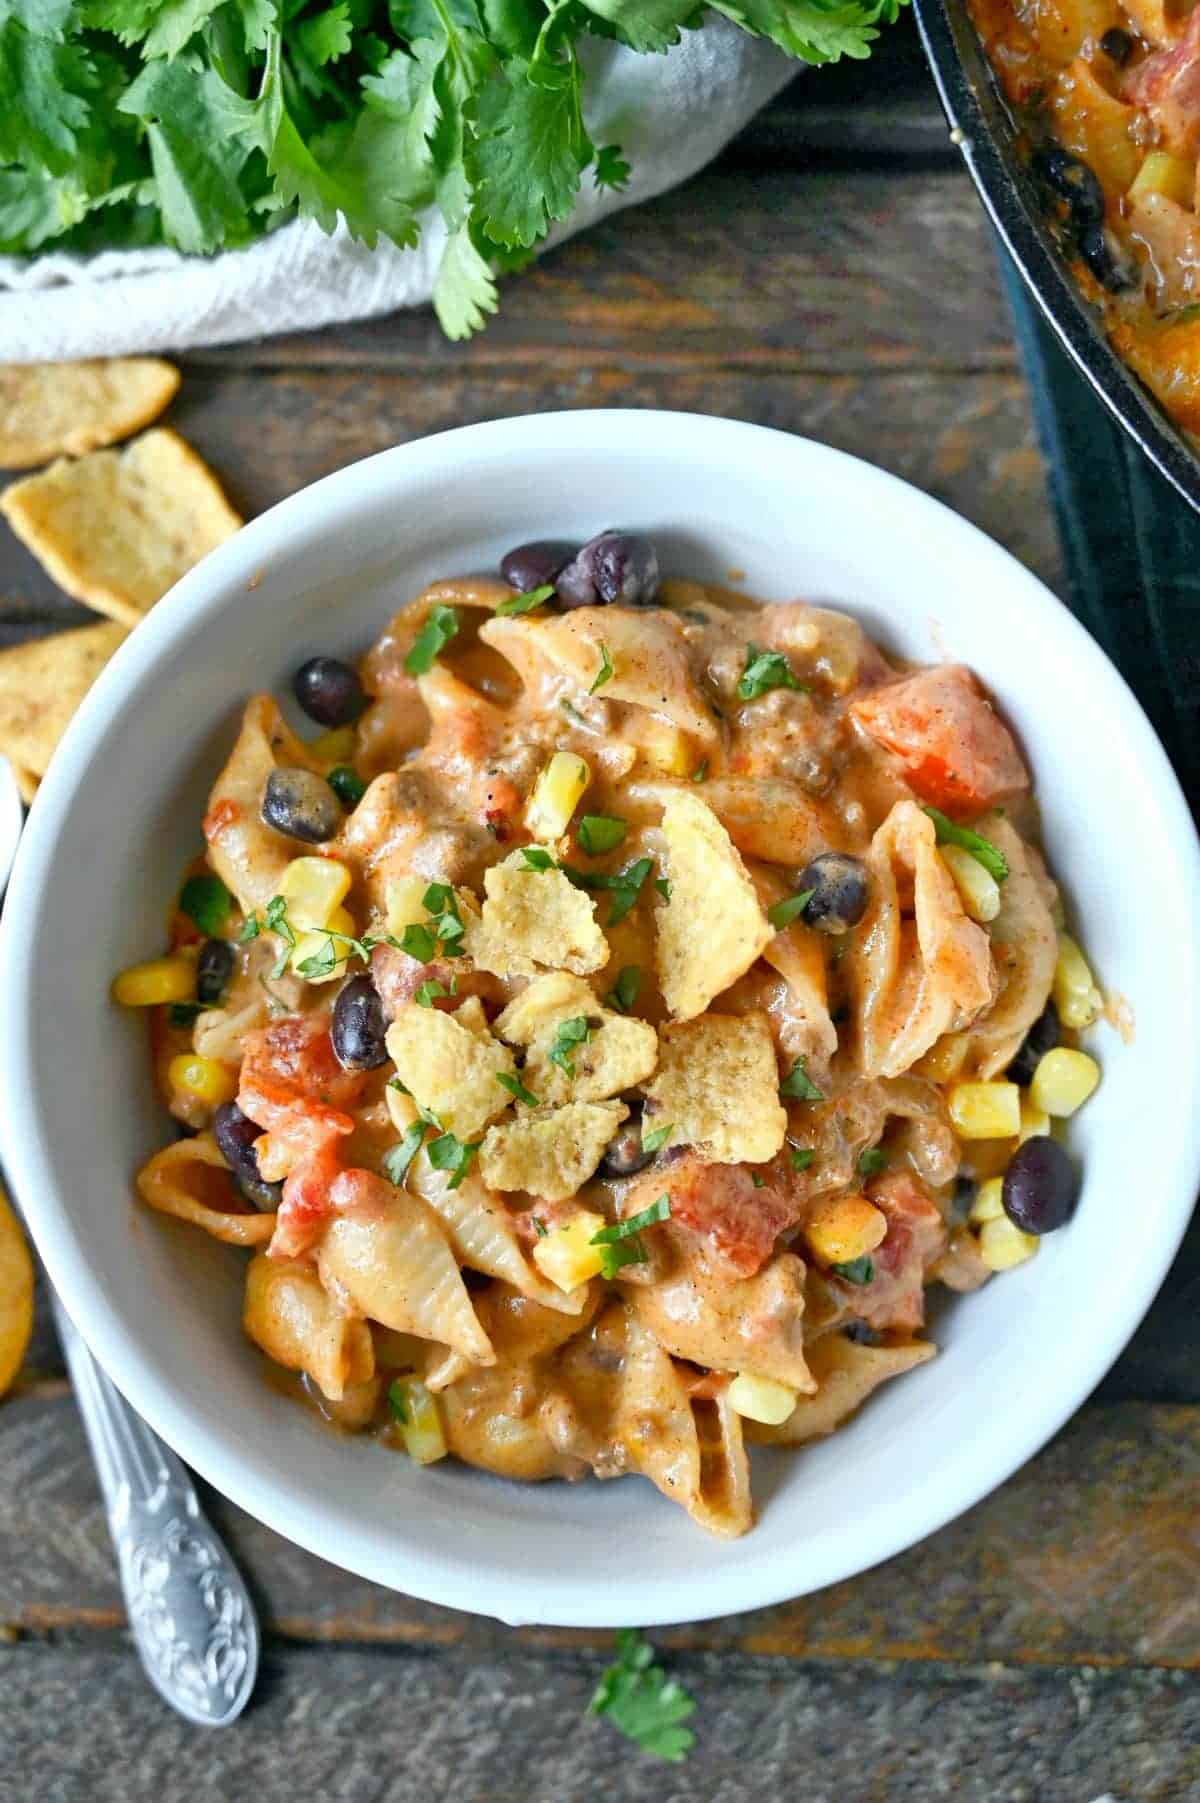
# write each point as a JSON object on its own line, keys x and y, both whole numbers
{"x": 48, "y": 409}
{"x": 549, "y": 1152}
{"x": 713, "y": 927}
{"x": 450, "y": 1062}
{"x": 718, "y": 1086}
{"x": 619, "y": 1052}
{"x": 534, "y": 919}
{"x": 42, "y": 683}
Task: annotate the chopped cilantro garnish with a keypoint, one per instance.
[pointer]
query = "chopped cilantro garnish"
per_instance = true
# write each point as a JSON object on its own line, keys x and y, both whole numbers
{"x": 855, "y": 1270}
{"x": 701, "y": 771}
{"x": 624, "y": 992}
{"x": 642, "y": 1703}
{"x": 757, "y": 1179}
{"x": 206, "y": 902}
{"x": 182, "y": 1014}
{"x": 396, "y": 1401}
{"x": 605, "y": 672}
{"x": 522, "y": 604}
{"x": 784, "y": 912}
{"x": 569, "y": 1033}
{"x": 431, "y": 991}
{"x": 765, "y": 670}
{"x": 619, "y": 1244}
{"x": 801, "y": 1157}
{"x": 651, "y": 1142}
{"x": 437, "y": 898}
{"x": 251, "y": 928}
{"x": 516, "y": 1088}
{"x": 347, "y": 785}
{"x": 320, "y": 964}
{"x": 398, "y": 1159}
{"x": 276, "y": 921}
{"x": 445, "y": 921}
{"x": 419, "y": 943}
{"x": 981, "y": 849}
{"x": 625, "y": 885}
{"x": 663, "y": 887}
{"x": 536, "y": 858}
{"x": 540, "y": 1227}
{"x": 598, "y": 833}
{"x": 434, "y": 636}
{"x": 871, "y": 1162}
{"x": 446, "y": 1153}
{"x": 798, "y": 1085}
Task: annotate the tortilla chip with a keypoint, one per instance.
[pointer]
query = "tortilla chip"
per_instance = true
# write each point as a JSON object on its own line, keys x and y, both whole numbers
{"x": 619, "y": 1052}
{"x": 451, "y": 1067}
{"x": 717, "y": 1087}
{"x": 66, "y": 409}
{"x": 26, "y": 781}
{"x": 42, "y": 682}
{"x": 549, "y": 1152}
{"x": 534, "y": 920}
{"x": 16, "y": 1294}
{"x": 712, "y": 928}
{"x": 117, "y": 529}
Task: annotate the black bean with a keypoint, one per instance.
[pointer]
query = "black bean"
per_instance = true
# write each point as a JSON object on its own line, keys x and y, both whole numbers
{"x": 1073, "y": 182}
{"x": 236, "y": 1135}
{"x": 861, "y": 1333}
{"x": 964, "y": 1195}
{"x": 1116, "y": 44}
{"x": 1040, "y": 1187}
{"x": 214, "y": 967}
{"x": 1106, "y": 260}
{"x": 537, "y": 563}
{"x": 625, "y": 1154}
{"x": 329, "y": 691}
{"x": 613, "y": 568}
{"x": 301, "y": 804}
{"x": 839, "y": 886}
{"x": 1041, "y": 1038}
{"x": 358, "y": 1026}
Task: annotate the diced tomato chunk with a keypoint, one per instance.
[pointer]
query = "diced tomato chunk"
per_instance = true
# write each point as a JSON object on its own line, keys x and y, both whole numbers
{"x": 916, "y": 1236}
{"x": 307, "y": 1203}
{"x": 956, "y": 751}
{"x": 739, "y": 1220}
{"x": 297, "y": 1054}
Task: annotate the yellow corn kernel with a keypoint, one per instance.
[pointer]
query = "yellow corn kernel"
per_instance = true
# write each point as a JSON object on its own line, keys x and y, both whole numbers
{"x": 986, "y": 1110}
{"x": 1162, "y": 173}
{"x": 945, "y": 1058}
{"x": 419, "y": 1420}
{"x": 312, "y": 889}
{"x": 403, "y": 904}
{"x": 1035, "y": 1122}
{"x": 205, "y": 1078}
{"x": 333, "y": 747}
{"x": 665, "y": 748}
{"x": 1063, "y": 1081}
{"x": 845, "y": 1228}
{"x": 978, "y": 888}
{"x": 170, "y": 979}
{"x": 1003, "y": 1245}
{"x": 760, "y": 1398}
{"x": 317, "y": 943}
{"x": 988, "y": 1204}
{"x": 566, "y": 1255}
{"x": 1075, "y": 993}
{"x": 556, "y": 794}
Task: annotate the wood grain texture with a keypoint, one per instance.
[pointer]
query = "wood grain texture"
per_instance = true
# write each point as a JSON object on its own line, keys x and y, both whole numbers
{"x": 1090, "y": 1556}
{"x": 392, "y": 1726}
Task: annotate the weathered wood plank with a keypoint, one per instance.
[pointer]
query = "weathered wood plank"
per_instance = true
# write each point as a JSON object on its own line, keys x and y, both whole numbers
{"x": 812, "y": 269}
{"x": 967, "y": 439}
{"x": 397, "y": 1727}
{"x": 1091, "y": 1555}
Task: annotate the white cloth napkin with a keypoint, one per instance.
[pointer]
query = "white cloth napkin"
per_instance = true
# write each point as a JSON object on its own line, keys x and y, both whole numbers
{"x": 670, "y": 114}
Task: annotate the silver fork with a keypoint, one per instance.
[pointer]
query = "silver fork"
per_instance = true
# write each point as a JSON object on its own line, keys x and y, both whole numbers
{"x": 190, "y": 1613}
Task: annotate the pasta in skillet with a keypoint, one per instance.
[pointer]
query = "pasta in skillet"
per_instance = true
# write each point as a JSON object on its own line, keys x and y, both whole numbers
{"x": 606, "y": 1030}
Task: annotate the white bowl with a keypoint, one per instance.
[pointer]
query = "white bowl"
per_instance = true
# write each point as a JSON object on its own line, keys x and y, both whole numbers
{"x": 119, "y": 812}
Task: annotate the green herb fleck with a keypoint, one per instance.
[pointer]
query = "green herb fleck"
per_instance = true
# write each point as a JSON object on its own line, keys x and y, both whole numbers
{"x": 523, "y": 604}
{"x": 569, "y": 1033}
{"x": 397, "y": 1160}
{"x": 396, "y": 1401}
{"x": 446, "y": 1153}
{"x": 784, "y": 912}
{"x": 206, "y": 902}
{"x": 429, "y": 992}
{"x": 434, "y": 636}
{"x": 624, "y": 992}
{"x": 605, "y": 672}
{"x": 619, "y": 1244}
{"x": 871, "y": 1162}
{"x": 981, "y": 849}
{"x": 598, "y": 833}
{"x": 419, "y": 943}
{"x": 766, "y": 670}
{"x": 540, "y": 1227}
{"x": 651, "y": 1142}
{"x": 757, "y": 1179}
{"x": 798, "y": 1085}
{"x": 801, "y": 1157}
{"x": 182, "y": 1014}
{"x": 701, "y": 771}
{"x": 663, "y": 887}
{"x": 855, "y": 1270}
{"x": 642, "y": 1703}
{"x": 347, "y": 785}
{"x": 536, "y": 858}
{"x": 516, "y": 1088}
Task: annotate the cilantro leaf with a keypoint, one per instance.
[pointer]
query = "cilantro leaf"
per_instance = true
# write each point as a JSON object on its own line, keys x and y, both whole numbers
{"x": 605, "y": 673}
{"x": 439, "y": 628}
{"x": 419, "y": 943}
{"x": 856, "y": 1270}
{"x": 530, "y": 151}
{"x": 651, "y": 1142}
{"x": 648, "y": 25}
{"x": 396, "y": 1162}
{"x": 871, "y": 1162}
{"x": 522, "y": 604}
{"x": 429, "y": 992}
{"x": 197, "y": 167}
{"x": 516, "y": 1088}
{"x": 624, "y": 992}
{"x": 447, "y": 1153}
{"x": 347, "y": 785}
{"x": 182, "y": 1014}
{"x": 537, "y": 858}
{"x": 568, "y": 1034}
{"x": 598, "y": 833}
{"x": 206, "y": 902}
{"x": 816, "y": 31}
{"x": 783, "y": 912}
{"x": 798, "y": 1085}
{"x": 326, "y": 36}
{"x": 611, "y": 170}
{"x": 801, "y": 1157}
{"x": 642, "y": 1703}
{"x": 981, "y": 849}
{"x": 464, "y": 291}
{"x": 765, "y": 670}
{"x": 619, "y": 1244}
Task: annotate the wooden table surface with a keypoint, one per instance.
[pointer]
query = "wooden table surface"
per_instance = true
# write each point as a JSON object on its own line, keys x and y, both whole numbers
{"x": 831, "y": 275}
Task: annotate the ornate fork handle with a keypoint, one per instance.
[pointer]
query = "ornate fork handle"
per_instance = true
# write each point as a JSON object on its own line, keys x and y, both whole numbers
{"x": 189, "y": 1611}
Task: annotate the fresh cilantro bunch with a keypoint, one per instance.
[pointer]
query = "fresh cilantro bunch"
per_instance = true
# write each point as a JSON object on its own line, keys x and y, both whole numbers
{"x": 204, "y": 123}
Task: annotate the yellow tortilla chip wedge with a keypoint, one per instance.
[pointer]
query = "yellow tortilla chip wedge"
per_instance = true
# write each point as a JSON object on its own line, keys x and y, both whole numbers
{"x": 549, "y": 1152}
{"x": 55, "y": 409}
{"x": 717, "y": 1087}
{"x": 42, "y": 682}
{"x": 26, "y": 781}
{"x": 712, "y": 928}
{"x": 117, "y": 529}
{"x": 16, "y": 1295}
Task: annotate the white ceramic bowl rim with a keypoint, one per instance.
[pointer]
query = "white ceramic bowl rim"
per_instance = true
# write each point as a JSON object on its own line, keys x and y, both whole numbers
{"x": 584, "y": 1598}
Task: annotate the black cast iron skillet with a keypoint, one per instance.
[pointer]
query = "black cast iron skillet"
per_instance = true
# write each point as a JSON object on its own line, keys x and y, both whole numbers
{"x": 987, "y": 136}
